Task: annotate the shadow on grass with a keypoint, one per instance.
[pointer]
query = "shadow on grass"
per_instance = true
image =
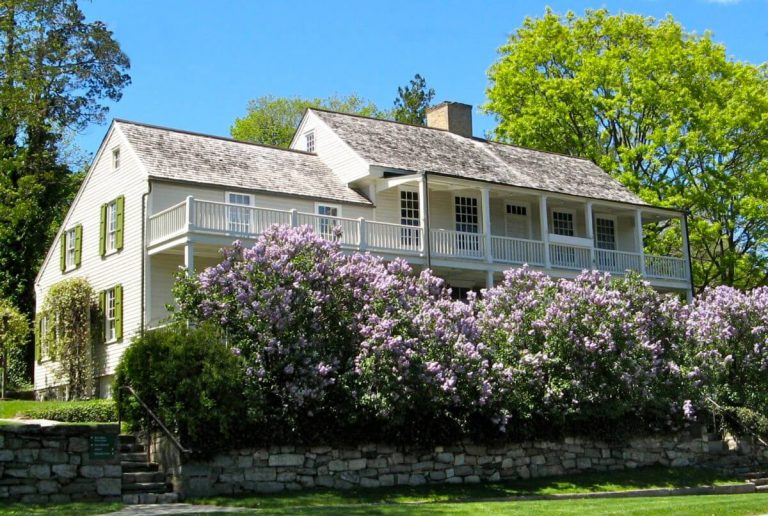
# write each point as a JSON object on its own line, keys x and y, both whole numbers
{"x": 643, "y": 478}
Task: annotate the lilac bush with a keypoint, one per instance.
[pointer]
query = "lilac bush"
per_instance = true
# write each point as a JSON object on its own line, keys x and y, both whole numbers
{"x": 727, "y": 331}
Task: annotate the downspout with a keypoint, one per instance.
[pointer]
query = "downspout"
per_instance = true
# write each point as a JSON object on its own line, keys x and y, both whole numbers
{"x": 427, "y": 239}
{"x": 144, "y": 198}
{"x": 688, "y": 250}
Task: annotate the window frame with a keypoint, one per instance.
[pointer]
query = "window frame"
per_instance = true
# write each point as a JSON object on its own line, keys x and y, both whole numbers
{"x": 70, "y": 244}
{"x": 235, "y": 221}
{"x": 110, "y": 232}
{"x": 116, "y": 155}
{"x": 325, "y": 226}
{"x": 568, "y": 211}
{"x": 44, "y": 347}
{"x": 310, "y": 140}
{"x": 527, "y": 206}
{"x": 408, "y": 236}
{"x": 614, "y": 220}
{"x": 456, "y": 223}
{"x": 110, "y": 323}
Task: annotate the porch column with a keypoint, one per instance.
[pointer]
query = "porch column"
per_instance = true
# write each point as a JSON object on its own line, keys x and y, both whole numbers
{"x": 686, "y": 254}
{"x": 639, "y": 239}
{"x": 423, "y": 215}
{"x": 189, "y": 258}
{"x": 190, "y": 212}
{"x": 489, "y": 279}
{"x": 590, "y": 233}
{"x": 486, "y": 207}
{"x": 544, "y": 229}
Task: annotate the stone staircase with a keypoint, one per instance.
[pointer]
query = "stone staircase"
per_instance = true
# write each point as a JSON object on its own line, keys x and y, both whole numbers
{"x": 143, "y": 483}
{"x": 759, "y": 479}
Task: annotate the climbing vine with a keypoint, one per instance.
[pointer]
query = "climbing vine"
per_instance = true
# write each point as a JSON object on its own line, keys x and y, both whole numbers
{"x": 66, "y": 330}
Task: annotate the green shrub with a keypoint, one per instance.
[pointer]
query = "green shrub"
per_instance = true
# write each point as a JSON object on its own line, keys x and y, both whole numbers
{"x": 190, "y": 379}
{"x": 745, "y": 422}
{"x": 91, "y": 411}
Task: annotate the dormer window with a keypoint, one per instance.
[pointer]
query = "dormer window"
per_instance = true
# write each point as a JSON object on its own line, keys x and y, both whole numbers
{"x": 310, "y": 137}
{"x": 116, "y": 159}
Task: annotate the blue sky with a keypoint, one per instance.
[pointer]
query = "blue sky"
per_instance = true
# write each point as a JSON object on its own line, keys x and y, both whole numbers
{"x": 195, "y": 64}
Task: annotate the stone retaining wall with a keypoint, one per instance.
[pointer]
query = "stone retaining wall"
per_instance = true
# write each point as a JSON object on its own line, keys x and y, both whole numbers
{"x": 53, "y": 464}
{"x": 293, "y": 467}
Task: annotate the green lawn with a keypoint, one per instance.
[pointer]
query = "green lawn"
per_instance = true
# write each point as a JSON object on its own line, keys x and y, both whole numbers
{"x": 644, "y": 478}
{"x": 10, "y": 409}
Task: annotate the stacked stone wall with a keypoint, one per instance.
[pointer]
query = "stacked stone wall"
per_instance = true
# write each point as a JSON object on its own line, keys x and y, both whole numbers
{"x": 53, "y": 464}
{"x": 279, "y": 468}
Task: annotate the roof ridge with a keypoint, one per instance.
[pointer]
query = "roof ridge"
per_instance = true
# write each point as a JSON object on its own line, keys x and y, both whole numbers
{"x": 212, "y": 136}
{"x": 476, "y": 138}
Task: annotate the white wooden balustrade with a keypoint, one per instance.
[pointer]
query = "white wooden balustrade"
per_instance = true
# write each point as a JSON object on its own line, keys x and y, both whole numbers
{"x": 239, "y": 221}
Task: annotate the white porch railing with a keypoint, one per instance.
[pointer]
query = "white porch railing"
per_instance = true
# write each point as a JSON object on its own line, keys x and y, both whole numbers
{"x": 457, "y": 244}
{"x": 517, "y": 250}
{"x": 247, "y": 222}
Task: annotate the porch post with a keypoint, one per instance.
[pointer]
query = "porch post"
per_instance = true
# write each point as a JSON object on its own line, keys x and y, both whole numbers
{"x": 639, "y": 239}
{"x": 687, "y": 254}
{"x": 486, "y": 207}
{"x": 489, "y": 279}
{"x": 190, "y": 212}
{"x": 544, "y": 229}
{"x": 423, "y": 215}
{"x": 590, "y": 233}
{"x": 189, "y": 257}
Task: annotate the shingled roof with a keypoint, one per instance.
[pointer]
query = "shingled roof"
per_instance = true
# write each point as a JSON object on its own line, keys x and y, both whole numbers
{"x": 406, "y": 147}
{"x": 211, "y": 160}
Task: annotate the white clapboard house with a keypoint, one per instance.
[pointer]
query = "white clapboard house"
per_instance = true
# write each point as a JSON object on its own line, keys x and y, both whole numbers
{"x": 157, "y": 199}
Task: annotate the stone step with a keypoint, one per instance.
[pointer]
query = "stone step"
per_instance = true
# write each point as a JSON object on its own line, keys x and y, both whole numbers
{"x": 759, "y": 481}
{"x": 137, "y": 477}
{"x": 132, "y": 448}
{"x": 139, "y": 467}
{"x": 126, "y": 439}
{"x": 133, "y": 457}
{"x": 755, "y": 474}
{"x": 150, "y": 498}
{"x": 761, "y": 489}
{"x": 146, "y": 487}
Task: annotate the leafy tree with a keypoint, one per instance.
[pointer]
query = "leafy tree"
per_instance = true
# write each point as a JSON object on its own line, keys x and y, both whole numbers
{"x": 14, "y": 330}
{"x": 664, "y": 111}
{"x": 273, "y": 120}
{"x": 56, "y": 70}
{"x": 412, "y": 102}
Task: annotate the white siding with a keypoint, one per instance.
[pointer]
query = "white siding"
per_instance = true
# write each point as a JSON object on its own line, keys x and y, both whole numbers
{"x": 163, "y": 270}
{"x": 124, "y": 267}
{"x": 336, "y": 154}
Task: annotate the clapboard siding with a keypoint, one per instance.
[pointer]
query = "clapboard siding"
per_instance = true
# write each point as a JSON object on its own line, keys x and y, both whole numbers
{"x": 124, "y": 267}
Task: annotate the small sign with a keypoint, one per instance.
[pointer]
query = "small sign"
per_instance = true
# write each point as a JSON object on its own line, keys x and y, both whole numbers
{"x": 102, "y": 446}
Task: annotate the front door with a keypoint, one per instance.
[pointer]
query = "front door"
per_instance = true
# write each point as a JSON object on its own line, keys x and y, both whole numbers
{"x": 518, "y": 225}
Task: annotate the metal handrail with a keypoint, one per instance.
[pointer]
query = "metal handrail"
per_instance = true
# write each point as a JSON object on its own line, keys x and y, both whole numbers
{"x": 722, "y": 413}
{"x": 167, "y": 432}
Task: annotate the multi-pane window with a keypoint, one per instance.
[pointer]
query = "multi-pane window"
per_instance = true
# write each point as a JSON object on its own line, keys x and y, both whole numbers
{"x": 71, "y": 237}
{"x": 409, "y": 216}
{"x": 325, "y": 226}
{"x": 467, "y": 221}
{"x": 116, "y": 159}
{"x": 44, "y": 337}
{"x": 112, "y": 226}
{"x": 605, "y": 234}
{"x": 516, "y": 209}
{"x": 239, "y": 219}
{"x": 109, "y": 315}
{"x": 517, "y": 223}
{"x": 310, "y": 141}
{"x": 562, "y": 223}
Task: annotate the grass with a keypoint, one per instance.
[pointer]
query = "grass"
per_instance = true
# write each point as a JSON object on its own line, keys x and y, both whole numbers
{"x": 66, "y": 509}
{"x": 13, "y": 408}
{"x": 644, "y": 478}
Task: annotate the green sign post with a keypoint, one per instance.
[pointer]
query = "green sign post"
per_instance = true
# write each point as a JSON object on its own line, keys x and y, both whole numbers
{"x": 102, "y": 446}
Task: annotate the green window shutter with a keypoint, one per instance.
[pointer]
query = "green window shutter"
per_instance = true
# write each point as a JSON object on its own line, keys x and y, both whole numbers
{"x": 63, "y": 254}
{"x": 118, "y": 312}
{"x": 103, "y": 231}
{"x": 78, "y": 244}
{"x": 38, "y": 338}
{"x": 120, "y": 207}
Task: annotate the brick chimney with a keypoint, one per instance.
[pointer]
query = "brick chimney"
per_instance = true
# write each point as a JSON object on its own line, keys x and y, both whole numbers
{"x": 454, "y": 117}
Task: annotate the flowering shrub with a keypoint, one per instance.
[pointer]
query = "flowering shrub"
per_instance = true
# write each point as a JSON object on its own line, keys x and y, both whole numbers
{"x": 332, "y": 344}
{"x": 728, "y": 333}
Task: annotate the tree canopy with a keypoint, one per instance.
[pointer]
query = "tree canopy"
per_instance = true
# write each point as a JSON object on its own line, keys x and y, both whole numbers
{"x": 273, "y": 120}
{"x": 412, "y": 102}
{"x": 664, "y": 111}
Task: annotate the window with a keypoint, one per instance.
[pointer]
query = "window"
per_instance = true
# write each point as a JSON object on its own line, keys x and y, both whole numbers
{"x": 516, "y": 209}
{"x": 310, "y": 141}
{"x": 239, "y": 219}
{"x": 116, "y": 159}
{"x": 516, "y": 220}
{"x": 467, "y": 221}
{"x": 43, "y": 337}
{"x": 325, "y": 226}
{"x": 605, "y": 233}
{"x": 562, "y": 223}
{"x": 109, "y": 315}
{"x": 112, "y": 226}
{"x": 71, "y": 248}
{"x": 409, "y": 216}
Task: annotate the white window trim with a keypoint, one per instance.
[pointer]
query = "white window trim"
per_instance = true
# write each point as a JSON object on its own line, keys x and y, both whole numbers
{"x": 615, "y": 220}
{"x": 527, "y": 206}
{"x": 480, "y": 228}
{"x": 251, "y": 197}
{"x": 70, "y": 265}
{"x": 307, "y": 135}
{"x": 557, "y": 209}
{"x": 251, "y": 204}
{"x": 109, "y": 339}
{"x": 329, "y": 205}
{"x": 44, "y": 346}
{"x": 110, "y": 246}
{"x": 406, "y": 188}
{"x": 116, "y": 158}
